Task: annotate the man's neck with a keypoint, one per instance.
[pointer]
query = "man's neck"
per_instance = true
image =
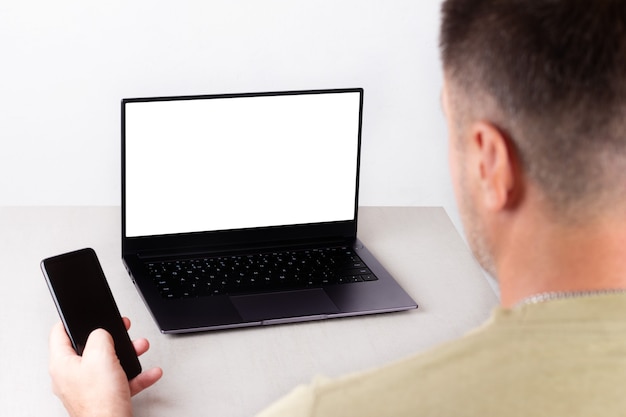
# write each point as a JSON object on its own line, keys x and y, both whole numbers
{"x": 547, "y": 257}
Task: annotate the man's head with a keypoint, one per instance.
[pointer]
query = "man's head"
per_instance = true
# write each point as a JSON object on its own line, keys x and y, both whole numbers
{"x": 551, "y": 75}
{"x": 548, "y": 77}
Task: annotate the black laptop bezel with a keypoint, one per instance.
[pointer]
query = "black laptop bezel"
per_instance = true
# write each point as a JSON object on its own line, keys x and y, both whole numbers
{"x": 240, "y": 239}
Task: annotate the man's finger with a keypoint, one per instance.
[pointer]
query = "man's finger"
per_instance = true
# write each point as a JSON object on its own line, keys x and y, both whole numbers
{"x": 60, "y": 343}
{"x": 141, "y": 346}
{"x": 126, "y": 321}
{"x": 99, "y": 342}
{"x": 144, "y": 380}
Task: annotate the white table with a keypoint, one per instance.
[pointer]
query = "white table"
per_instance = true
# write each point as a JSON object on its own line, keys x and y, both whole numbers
{"x": 235, "y": 372}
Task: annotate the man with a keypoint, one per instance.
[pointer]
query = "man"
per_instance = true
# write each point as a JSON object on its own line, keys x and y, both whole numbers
{"x": 535, "y": 97}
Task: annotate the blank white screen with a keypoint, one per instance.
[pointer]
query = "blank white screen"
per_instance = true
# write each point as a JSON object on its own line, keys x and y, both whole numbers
{"x": 230, "y": 163}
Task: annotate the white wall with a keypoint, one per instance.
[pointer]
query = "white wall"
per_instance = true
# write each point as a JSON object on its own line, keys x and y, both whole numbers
{"x": 67, "y": 63}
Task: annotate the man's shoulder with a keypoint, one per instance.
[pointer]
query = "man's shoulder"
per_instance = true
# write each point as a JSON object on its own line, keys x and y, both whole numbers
{"x": 537, "y": 354}
{"x": 391, "y": 389}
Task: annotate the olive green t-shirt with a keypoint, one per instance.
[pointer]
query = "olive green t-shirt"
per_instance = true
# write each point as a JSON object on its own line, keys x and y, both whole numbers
{"x": 557, "y": 358}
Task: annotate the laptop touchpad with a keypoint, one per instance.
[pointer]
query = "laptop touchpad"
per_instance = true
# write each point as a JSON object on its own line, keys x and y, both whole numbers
{"x": 282, "y": 305}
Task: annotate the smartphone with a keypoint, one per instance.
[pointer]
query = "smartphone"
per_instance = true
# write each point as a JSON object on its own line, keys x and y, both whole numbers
{"x": 85, "y": 303}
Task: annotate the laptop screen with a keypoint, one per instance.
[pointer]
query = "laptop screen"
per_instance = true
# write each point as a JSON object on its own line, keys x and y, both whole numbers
{"x": 215, "y": 163}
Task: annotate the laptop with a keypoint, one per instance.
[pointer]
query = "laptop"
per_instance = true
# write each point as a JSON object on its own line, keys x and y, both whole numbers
{"x": 241, "y": 210}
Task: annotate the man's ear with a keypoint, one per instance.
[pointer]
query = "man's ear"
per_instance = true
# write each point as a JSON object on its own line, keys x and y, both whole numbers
{"x": 495, "y": 164}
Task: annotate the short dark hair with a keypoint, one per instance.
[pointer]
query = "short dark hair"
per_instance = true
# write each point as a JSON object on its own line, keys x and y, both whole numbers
{"x": 555, "y": 71}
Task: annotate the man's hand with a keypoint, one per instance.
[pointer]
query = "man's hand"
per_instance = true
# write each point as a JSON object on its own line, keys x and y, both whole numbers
{"x": 95, "y": 384}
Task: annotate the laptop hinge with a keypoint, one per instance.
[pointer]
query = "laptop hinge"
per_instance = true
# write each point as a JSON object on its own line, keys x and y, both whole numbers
{"x": 238, "y": 249}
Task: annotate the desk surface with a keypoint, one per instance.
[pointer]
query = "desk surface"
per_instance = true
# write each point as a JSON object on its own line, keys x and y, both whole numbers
{"x": 235, "y": 372}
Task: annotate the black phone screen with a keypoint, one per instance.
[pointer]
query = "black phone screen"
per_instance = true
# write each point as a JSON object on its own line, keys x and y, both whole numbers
{"x": 85, "y": 303}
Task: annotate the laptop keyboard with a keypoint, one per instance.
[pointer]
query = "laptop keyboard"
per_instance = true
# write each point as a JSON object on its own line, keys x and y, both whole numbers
{"x": 271, "y": 271}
